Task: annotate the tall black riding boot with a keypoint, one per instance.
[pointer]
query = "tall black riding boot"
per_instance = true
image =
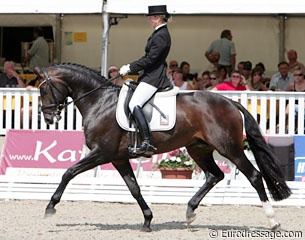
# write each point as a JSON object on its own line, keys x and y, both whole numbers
{"x": 146, "y": 147}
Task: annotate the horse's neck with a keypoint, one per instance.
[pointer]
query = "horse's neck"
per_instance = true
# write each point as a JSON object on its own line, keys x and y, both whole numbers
{"x": 98, "y": 100}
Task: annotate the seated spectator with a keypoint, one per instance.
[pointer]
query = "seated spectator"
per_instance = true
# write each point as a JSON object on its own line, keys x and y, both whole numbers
{"x": 10, "y": 78}
{"x": 187, "y": 76}
{"x": 215, "y": 79}
{"x": 173, "y": 64}
{"x": 237, "y": 83}
{"x": 204, "y": 82}
{"x": 246, "y": 72}
{"x": 255, "y": 83}
{"x": 265, "y": 78}
{"x": 281, "y": 79}
{"x": 223, "y": 73}
{"x": 297, "y": 85}
{"x": 293, "y": 62}
{"x": 178, "y": 80}
{"x": 113, "y": 71}
{"x": 240, "y": 66}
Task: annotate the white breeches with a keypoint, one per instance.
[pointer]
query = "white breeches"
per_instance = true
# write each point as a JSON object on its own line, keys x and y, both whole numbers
{"x": 142, "y": 94}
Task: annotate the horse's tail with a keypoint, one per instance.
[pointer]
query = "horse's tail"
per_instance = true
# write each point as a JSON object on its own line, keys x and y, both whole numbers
{"x": 264, "y": 157}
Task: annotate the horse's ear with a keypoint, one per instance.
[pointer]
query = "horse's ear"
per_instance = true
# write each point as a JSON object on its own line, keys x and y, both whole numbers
{"x": 38, "y": 72}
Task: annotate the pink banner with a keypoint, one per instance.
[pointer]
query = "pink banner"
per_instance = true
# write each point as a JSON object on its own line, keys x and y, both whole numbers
{"x": 42, "y": 149}
{"x": 49, "y": 149}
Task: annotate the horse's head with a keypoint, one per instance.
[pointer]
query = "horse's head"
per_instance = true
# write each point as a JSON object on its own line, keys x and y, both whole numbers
{"x": 53, "y": 93}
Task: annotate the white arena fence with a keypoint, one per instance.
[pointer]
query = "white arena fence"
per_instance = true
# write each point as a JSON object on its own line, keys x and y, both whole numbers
{"x": 19, "y": 109}
{"x": 154, "y": 190}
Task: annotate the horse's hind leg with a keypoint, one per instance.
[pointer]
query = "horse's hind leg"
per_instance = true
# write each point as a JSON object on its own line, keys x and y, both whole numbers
{"x": 127, "y": 174}
{"x": 204, "y": 159}
{"x": 255, "y": 178}
{"x": 83, "y": 165}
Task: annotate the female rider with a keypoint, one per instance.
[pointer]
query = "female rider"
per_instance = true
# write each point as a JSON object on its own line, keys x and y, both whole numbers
{"x": 153, "y": 76}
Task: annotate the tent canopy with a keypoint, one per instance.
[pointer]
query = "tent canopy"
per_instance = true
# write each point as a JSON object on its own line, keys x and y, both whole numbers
{"x": 140, "y": 7}
{"x": 208, "y": 6}
{"x": 51, "y": 6}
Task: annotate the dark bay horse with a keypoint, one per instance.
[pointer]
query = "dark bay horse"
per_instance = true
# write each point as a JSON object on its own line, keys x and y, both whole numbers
{"x": 206, "y": 121}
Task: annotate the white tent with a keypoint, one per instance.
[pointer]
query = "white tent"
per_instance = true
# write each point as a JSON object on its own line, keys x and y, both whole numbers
{"x": 204, "y": 7}
{"x": 208, "y": 6}
{"x": 140, "y": 6}
{"x": 108, "y": 7}
{"x": 51, "y": 6}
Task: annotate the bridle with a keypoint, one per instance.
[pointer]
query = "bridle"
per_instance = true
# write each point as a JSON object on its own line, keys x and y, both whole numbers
{"x": 60, "y": 106}
{"x": 57, "y": 105}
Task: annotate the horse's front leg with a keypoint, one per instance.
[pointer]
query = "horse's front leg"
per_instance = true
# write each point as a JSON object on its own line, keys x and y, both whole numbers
{"x": 88, "y": 162}
{"x": 127, "y": 174}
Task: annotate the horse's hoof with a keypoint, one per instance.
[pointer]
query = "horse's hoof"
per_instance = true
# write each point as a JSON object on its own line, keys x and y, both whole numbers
{"x": 190, "y": 219}
{"x": 49, "y": 212}
{"x": 275, "y": 227}
{"x": 145, "y": 229}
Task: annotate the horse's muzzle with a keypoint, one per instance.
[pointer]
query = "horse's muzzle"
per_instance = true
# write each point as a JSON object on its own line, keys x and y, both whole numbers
{"x": 51, "y": 118}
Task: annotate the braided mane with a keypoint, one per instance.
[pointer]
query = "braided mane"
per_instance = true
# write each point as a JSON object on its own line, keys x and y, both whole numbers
{"x": 87, "y": 75}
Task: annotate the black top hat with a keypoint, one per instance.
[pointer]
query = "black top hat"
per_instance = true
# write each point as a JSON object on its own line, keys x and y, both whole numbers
{"x": 157, "y": 10}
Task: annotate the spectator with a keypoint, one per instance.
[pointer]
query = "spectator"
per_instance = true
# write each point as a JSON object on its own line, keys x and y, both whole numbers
{"x": 187, "y": 76}
{"x": 10, "y": 78}
{"x": 173, "y": 64}
{"x": 237, "y": 83}
{"x": 113, "y": 71}
{"x": 185, "y": 68}
{"x": 265, "y": 78}
{"x": 215, "y": 79}
{"x": 292, "y": 57}
{"x": 178, "y": 80}
{"x": 214, "y": 59}
{"x": 38, "y": 54}
{"x": 240, "y": 66}
{"x": 204, "y": 82}
{"x": 281, "y": 79}
{"x": 226, "y": 48}
{"x": 297, "y": 85}
{"x": 246, "y": 72}
{"x": 255, "y": 83}
{"x": 223, "y": 74}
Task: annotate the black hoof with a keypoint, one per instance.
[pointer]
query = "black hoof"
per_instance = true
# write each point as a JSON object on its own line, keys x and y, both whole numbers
{"x": 145, "y": 229}
{"x": 49, "y": 212}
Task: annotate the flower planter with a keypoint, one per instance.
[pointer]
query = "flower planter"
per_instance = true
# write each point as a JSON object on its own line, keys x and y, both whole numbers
{"x": 179, "y": 173}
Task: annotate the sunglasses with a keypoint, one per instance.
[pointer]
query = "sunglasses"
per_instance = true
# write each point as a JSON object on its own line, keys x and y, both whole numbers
{"x": 235, "y": 76}
{"x": 174, "y": 65}
{"x": 298, "y": 75}
{"x": 213, "y": 78}
{"x": 176, "y": 71}
{"x": 113, "y": 70}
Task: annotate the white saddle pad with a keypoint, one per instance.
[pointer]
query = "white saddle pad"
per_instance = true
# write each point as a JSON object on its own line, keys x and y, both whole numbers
{"x": 165, "y": 101}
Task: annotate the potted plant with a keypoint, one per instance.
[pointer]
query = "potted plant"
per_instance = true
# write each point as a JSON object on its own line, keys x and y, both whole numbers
{"x": 178, "y": 165}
